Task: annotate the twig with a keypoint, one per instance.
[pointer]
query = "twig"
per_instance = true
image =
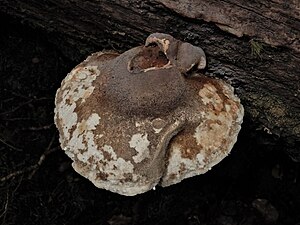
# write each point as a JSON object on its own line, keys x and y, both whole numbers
{"x": 17, "y": 173}
{"x": 5, "y": 206}
{"x": 34, "y": 167}
{"x": 17, "y": 119}
{"x": 11, "y": 146}
{"x": 17, "y": 107}
{"x": 17, "y": 94}
{"x": 9, "y": 198}
{"x": 41, "y": 160}
{"x": 46, "y": 127}
{"x": 8, "y": 100}
{"x": 25, "y": 103}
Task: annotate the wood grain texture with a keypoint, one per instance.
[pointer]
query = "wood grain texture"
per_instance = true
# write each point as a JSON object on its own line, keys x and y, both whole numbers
{"x": 274, "y": 22}
{"x": 268, "y": 82}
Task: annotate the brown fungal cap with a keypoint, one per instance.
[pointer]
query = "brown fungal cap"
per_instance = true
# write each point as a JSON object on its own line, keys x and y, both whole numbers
{"x": 133, "y": 121}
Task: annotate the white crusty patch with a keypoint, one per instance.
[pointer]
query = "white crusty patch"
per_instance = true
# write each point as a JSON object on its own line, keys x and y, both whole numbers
{"x": 83, "y": 146}
{"x": 209, "y": 95}
{"x": 192, "y": 167}
{"x": 227, "y": 108}
{"x": 68, "y": 118}
{"x": 82, "y": 143}
{"x": 197, "y": 134}
{"x": 137, "y": 124}
{"x": 216, "y": 134}
{"x": 116, "y": 167}
{"x": 83, "y": 149}
{"x": 76, "y": 86}
{"x": 165, "y": 44}
{"x": 98, "y": 136}
{"x": 213, "y": 130}
{"x": 157, "y": 131}
{"x": 140, "y": 143}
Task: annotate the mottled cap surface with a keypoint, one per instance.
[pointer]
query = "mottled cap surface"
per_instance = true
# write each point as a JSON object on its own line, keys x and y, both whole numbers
{"x": 135, "y": 120}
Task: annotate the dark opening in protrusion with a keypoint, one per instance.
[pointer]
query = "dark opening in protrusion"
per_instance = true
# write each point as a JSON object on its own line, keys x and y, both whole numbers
{"x": 191, "y": 71}
{"x": 150, "y": 56}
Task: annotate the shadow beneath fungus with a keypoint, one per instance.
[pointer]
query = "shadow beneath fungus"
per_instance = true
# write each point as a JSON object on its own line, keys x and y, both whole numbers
{"x": 256, "y": 184}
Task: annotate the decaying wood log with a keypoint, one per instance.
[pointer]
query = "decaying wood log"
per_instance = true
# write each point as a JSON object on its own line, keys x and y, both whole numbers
{"x": 254, "y": 45}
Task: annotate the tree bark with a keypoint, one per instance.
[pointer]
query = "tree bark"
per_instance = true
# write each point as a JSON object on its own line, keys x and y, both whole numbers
{"x": 254, "y": 45}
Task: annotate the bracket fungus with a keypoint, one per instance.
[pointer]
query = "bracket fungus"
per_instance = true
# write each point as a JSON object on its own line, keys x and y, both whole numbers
{"x": 146, "y": 117}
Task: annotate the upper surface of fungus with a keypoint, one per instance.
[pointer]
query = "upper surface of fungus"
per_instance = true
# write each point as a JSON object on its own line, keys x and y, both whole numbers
{"x": 133, "y": 121}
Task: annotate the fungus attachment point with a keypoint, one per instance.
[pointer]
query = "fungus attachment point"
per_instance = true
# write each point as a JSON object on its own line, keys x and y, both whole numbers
{"x": 132, "y": 121}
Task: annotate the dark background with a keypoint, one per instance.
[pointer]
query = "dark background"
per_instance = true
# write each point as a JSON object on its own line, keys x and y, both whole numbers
{"x": 256, "y": 184}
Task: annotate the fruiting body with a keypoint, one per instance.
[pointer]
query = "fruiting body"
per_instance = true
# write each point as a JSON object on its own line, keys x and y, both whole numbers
{"x": 133, "y": 121}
